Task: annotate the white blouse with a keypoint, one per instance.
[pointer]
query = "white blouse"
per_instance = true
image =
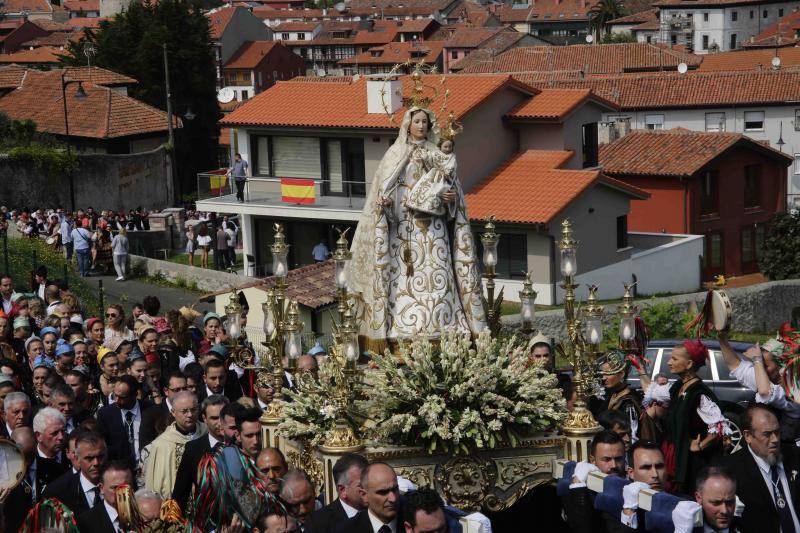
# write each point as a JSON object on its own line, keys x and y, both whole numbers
{"x": 709, "y": 412}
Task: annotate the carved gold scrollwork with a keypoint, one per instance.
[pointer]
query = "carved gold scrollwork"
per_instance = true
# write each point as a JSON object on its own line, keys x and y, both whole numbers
{"x": 308, "y": 463}
{"x": 512, "y": 471}
{"x": 421, "y": 477}
{"x": 466, "y": 481}
{"x": 494, "y": 504}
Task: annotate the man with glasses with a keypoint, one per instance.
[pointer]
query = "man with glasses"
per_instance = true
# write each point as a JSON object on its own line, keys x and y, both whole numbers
{"x": 186, "y": 476}
{"x": 160, "y": 416}
{"x": 161, "y": 456}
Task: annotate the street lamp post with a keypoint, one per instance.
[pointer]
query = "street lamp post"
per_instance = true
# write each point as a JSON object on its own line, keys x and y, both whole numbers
{"x": 80, "y": 94}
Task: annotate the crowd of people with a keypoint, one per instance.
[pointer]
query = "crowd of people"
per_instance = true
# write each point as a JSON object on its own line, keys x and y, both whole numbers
{"x": 140, "y": 398}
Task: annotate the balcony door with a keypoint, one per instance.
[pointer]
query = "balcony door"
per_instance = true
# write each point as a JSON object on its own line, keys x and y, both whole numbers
{"x": 343, "y": 161}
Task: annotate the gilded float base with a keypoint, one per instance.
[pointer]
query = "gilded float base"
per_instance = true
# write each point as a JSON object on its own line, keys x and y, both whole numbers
{"x": 341, "y": 440}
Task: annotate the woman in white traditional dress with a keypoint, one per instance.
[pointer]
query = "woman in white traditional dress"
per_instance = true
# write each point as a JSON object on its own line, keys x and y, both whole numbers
{"x": 414, "y": 268}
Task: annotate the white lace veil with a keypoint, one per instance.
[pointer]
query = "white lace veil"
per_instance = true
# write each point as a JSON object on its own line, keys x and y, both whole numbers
{"x": 361, "y": 267}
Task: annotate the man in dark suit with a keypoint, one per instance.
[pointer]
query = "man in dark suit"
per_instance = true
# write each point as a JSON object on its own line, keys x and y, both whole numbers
{"x": 17, "y": 410}
{"x": 81, "y": 491}
{"x": 160, "y": 415}
{"x": 104, "y": 517}
{"x": 40, "y": 473}
{"x": 347, "y": 475}
{"x": 62, "y": 398}
{"x": 217, "y": 379}
{"x": 766, "y": 475}
{"x": 298, "y": 495}
{"x": 606, "y": 455}
{"x": 647, "y": 470}
{"x": 380, "y": 490}
{"x": 272, "y": 464}
{"x": 121, "y": 421}
{"x": 423, "y": 511}
{"x": 186, "y": 477}
{"x": 716, "y": 494}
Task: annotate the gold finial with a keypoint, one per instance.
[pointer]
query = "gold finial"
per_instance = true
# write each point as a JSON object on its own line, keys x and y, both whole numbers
{"x": 450, "y": 128}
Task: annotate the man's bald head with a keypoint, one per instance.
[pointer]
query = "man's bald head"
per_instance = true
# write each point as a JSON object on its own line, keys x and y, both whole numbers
{"x": 307, "y": 362}
{"x": 25, "y": 439}
{"x": 273, "y": 465}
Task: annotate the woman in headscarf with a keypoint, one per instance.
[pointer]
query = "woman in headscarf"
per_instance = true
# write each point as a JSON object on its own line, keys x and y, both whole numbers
{"x": 414, "y": 272}
{"x": 695, "y": 424}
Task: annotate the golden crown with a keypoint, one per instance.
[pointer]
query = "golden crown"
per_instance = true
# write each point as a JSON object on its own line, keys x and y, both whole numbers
{"x": 450, "y": 128}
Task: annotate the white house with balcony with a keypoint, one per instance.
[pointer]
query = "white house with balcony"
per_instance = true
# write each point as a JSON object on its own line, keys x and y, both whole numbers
{"x": 527, "y": 156}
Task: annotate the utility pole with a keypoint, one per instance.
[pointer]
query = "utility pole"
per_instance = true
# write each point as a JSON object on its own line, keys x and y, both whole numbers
{"x": 171, "y": 134}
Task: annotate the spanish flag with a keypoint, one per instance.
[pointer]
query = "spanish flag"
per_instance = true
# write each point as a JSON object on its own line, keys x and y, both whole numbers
{"x": 297, "y": 191}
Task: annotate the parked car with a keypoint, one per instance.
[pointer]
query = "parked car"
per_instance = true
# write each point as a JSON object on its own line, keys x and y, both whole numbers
{"x": 732, "y": 396}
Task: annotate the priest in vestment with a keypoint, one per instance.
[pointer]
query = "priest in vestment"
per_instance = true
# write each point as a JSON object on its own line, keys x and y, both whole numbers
{"x": 161, "y": 465}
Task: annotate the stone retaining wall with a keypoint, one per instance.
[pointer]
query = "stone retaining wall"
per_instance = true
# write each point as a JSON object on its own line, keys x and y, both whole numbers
{"x": 756, "y": 309}
{"x": 206, "y": 279}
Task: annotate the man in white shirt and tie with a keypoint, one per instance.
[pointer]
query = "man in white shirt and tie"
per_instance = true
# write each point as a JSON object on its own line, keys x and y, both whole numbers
{"x": 104, "y": 517}
{"x": 80, "y": 491}
{"x": 380, "y": 491}
{"x": 48, "y": 427}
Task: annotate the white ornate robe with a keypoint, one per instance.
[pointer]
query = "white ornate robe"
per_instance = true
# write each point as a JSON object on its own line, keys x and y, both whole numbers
{"x": 161, "y": 465}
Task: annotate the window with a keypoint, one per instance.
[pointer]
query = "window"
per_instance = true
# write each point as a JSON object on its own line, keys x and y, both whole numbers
{"x": 343, "y": 167}
{"x": 285, "y": 36}
{"x": 512, "y": 256}
{"x": 797, "y": 116}
{"x": 753, "y": 121}
{"x": 301, "y": 36}
{"x": 797, "y": 163}
{"x": 622, "y": 232}
{"x": 715, "y": 122}
{"x": 454, "y": 55}
{"x": 714, "y": 250}
{"x": 734, "y": 16}
{"x": 649, "y": 39}
{"x": 705, "y": 42}
{"x": 752, "y": 14}
{"x": 705, "y": 17}
{"x": 709, "y": 193}
{"x": 780, "y": 12}
{"x": 589, "y": 137}
{"x": 752, "y": 239}
{"x": 733, "y": 41}
{"x": 261, "y": 160}
{"x": 673, "y": 39}
{"x": 654, "y": 122}
{"x": 245, "y": 94}
{"x": 764, "y": 14}
{"x": 752, "y": 181}
{"x": 290, "y": 157}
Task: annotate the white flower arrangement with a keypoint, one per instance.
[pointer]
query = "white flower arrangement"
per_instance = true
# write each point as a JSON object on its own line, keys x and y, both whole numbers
{"x": 457, "y": 397}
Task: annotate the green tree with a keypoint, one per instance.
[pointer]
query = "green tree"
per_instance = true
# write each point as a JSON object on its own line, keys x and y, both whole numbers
{"x": 132, "y": 44}
{"x": 780, "y": 253}
{"x": 616, "y": 38}
{"x": 602, "y": 12}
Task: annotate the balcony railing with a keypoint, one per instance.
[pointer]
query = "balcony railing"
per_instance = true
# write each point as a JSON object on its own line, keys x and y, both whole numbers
{"x": 267, "y": 190}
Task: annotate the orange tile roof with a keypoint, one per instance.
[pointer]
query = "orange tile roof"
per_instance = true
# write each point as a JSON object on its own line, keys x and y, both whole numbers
{"x": 344, "y": 105}
{"x": 11, "y": 76}
{"x": 218, "y": 20}
{"x": 49, "y": 25}
{"x": 250, "y": 54}
{"x": 415, "y": 25}
{"x": 41, "y": 55}
{"x": 591, "y": 59}
{"x": 29, "y": 6}
{"x": 556, "y": 104}
{"x": 677, "y": 152}
{"x": 473, "y": 37}
{"x": 57, "y": 39}
{"x": 489, "y": 49}
{"x": 750, "y": 59}
{"x": 783, "y": 33}
{"x": 99, "y": 76}
{"x": 540, "y": 188}
{"x": 648, "y": 15}
{"x": 313, "y": 286}
{"x": 81, "y": 5}
{"x": 86, "y": 22}
{"x": 668, "y": 90}
{"x": 102, "y": 114}
{"x": 394, "y": 53}
{"x": 296, "y": 26}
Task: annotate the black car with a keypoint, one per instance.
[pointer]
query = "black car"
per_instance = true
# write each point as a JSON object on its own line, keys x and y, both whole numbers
{"x": 733, "y": 397}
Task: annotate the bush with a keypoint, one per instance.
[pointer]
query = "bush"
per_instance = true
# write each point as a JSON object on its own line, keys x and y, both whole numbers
{"x": 664, "y": 320}
{"x": 780, "y": 253}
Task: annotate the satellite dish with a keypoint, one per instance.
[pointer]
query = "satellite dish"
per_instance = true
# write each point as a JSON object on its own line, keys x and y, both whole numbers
{"x": 225, "y": 95}
{"x": 341, "y": 7}
{"x": 776, "y": 62}
{"x": 321, "y": 73}
{"x": 589, "y": 39}
{"x": 683, "y": 68}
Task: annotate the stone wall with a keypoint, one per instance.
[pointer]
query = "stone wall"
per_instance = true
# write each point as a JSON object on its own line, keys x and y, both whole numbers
{"x": 206, "y": 279}
{"x": 118, "y": 182}
{"x": 756, "y": 309}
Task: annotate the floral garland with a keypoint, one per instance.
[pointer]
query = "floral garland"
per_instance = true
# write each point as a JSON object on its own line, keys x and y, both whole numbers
{"x": 457, "y": 397}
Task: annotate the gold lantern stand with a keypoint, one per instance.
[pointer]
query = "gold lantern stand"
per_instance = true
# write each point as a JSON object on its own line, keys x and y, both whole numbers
{"x": 492, "y": 305}
{"x": 580, "y": 426}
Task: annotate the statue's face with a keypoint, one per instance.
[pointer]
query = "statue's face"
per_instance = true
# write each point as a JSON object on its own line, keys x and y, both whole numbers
{"x": 419, "y": 126}
{"x": 447, "y": 147}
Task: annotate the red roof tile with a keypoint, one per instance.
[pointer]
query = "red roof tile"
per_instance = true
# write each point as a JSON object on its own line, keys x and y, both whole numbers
{"x": 489, "y": 49}
{"x": 649, "y": 15}
{"x": 556, "y": 104}
{"x": 86, "y": 22}
{"x": 219, "y": 19}
{"x": 473, "y": 37}
{"x": 296, "y": 26}
{"x": 394, "y": 53}
{"x": 344, "y": 105}
{"x": 57, "y": 39}
{"x": 250, "y": 54}
{"x": 750, "y": 59}
{"x": 677, "y": 152}
{"x": 41, "y": 55}
{"x": 783, "y": 33}
{"x": 102, "y": 114}
{"x": 541, "y": 190}
{"x": 29, "y": 6}
{"x": 81, "y": 5}
{"x": 313, "y": 286}
{"x": 11, "y": 76}
{"x": 669, "y": 90}
{"x": 49, "y": 25}
{"x": 591, "y": 59}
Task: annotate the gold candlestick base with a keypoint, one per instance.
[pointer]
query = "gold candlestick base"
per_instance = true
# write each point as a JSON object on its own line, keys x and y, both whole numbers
{"x": 341, "y": 439}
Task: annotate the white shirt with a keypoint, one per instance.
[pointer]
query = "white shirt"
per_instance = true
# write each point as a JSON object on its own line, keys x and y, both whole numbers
{"x": 40, "y": 453}
{"x": 348, "y": 510}
{"x": 709, "y": 529}
{"x": 31, "y": 478}
{"x": 40, "y": 291}
{"x": 745, "y": 374}
{"x": 212, "y": 441}
{"x": 137, "y": 422}
{"x": 112, "y": 515}
{"x": 261, "y": 404}
{"x": 377, "y": 524}
{"x": 764, "y": 468}
{"x": 8, "y": 304}
{"x": 88, "y": 490}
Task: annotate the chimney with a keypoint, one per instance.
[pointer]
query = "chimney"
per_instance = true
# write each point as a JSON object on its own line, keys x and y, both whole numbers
{"x": 622, "y": 127}
{"x": 324, "y": 12}
{"x": 606, "y": 133}
{"x": 384, "y": 94}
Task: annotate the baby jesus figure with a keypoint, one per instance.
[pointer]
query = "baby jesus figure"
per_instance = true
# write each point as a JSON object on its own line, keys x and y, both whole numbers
{"x": 434, "y": 192}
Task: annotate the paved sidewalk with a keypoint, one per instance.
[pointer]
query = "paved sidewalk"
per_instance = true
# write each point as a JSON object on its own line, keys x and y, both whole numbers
{"x": 129, "y": 292}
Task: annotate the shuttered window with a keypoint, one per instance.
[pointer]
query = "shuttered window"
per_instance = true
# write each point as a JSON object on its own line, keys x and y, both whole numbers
{"x": 335, "y": 175}
{"x": 296, "y": 157}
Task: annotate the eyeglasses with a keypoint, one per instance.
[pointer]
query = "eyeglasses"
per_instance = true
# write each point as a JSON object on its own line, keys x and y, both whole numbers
{"x": 185, "y": 411}
{"x": 176, "y": 389}
{"x": 111, "y": 315}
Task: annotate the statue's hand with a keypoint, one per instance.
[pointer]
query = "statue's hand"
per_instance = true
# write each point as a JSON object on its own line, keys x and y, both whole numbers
{"x": 384, "y": 201}
{"x": 448, "y": 196}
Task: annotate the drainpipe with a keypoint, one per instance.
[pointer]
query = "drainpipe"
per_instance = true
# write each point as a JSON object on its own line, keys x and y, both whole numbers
{"x": 685, "y": 205}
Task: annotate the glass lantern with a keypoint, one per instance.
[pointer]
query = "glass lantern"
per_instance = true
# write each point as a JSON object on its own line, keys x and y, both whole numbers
{"x": 351, "y": 348}
{"x": 233, "y": 315}
{"x": 280, "y": 253}
{"x": 569, "y": 262}
{"x": 340, "y": 257}
{"x": 527, "y": 298}
{"x": 627, "y": 328}
{"x": 269, "y": 316}
{"x": 294, "y": 345}
{"x": 490, "y": 239}
{"x": 594, "y": 330}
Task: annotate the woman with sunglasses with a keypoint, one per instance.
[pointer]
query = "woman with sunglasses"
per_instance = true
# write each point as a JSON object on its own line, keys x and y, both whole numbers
{"x": 115, "y": 324}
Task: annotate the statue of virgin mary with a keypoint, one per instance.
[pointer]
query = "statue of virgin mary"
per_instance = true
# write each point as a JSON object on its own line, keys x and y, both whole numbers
{"x": 414, "y": 271}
